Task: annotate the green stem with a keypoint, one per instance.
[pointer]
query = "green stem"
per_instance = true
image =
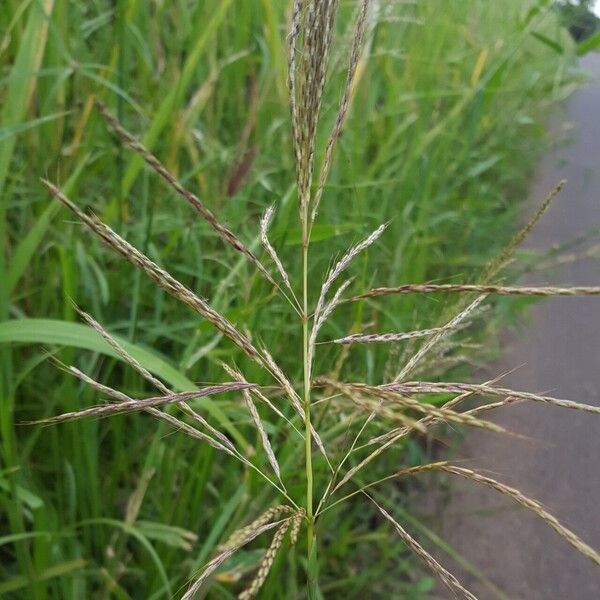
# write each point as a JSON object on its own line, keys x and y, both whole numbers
{"x": 307, "y": 421}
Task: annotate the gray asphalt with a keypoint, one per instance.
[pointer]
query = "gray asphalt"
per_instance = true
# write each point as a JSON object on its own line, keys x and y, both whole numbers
{"x": 560, "y": 351}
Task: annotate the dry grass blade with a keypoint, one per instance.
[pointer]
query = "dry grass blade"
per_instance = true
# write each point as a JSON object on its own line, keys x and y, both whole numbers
{"x": 267, "y": 562}
{"x": 133, "y": 405}
{"x": 344, "y": 104}
{"x": 431, "y": 342}
{"x": 443, "y": 387}
{"x": 191, "y": 198}
{"x": 499, "y": 290}
{"x": 376, "y": 338}
{"x": 222, "y": 556}
{"x": 445, "y": 576}
{"x": 163, "y": 279}
{"x": 529, "y": 504}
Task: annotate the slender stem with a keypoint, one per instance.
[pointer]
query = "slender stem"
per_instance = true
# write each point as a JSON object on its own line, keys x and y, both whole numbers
{"x": 307, "y": 421}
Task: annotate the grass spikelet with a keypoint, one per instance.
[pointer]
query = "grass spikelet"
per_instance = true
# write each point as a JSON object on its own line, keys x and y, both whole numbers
{"x": 296, "y": 524}
{"x": 392, "y": 395}
{"x": 532, "y": 505}
{"x": 379, "y": 338}
{"x": 160, "y": 277}
{"x": 499, "y": 290}
{"x": 251, "y": 408}
{"x": 237, "y": 537}
{"x": 153, "y": 162}
{"x": 344, "y": 262}
{"x": 130, "y": 360}
{"x": 445, "y": 576}
{"x": 265, "y": 221}
{"x": 332, "y": 275}
{"x": 135, "y": 405}
{"x": 179, "y": 425}
{"x": 459, "y": 388}
{"x": 500, "y": 261}
{"x": 159, "y": 385}
{"x": 528, "y": 503}
{"x": 319, "y": 18}
{"x": 267, "y": 562}
{"x": 222, "y": 556}
{"x": 430, "y": 420}
{"x": 435, "y": 339}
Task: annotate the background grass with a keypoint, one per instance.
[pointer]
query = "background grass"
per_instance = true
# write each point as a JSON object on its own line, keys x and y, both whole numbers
{"x": 446, "y": 126}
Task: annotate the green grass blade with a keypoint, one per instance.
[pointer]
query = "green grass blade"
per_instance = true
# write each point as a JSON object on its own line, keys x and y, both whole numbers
{"x": 30, "y": 243}
{"x": 20, "y": 90}
{"x": 164, "y": 114}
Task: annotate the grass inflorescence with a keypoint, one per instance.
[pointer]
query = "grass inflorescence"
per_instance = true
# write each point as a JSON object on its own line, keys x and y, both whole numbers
{"x": 255, "y": 386}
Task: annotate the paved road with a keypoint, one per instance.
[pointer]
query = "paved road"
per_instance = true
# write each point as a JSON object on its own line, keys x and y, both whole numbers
{"x": 560, "y": 462}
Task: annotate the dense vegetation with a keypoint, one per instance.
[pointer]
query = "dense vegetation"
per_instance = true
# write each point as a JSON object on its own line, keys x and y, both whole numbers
{"x": 446, "y": 124}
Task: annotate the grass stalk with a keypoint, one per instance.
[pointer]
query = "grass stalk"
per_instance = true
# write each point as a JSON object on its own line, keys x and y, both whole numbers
{"x": 307, "y": 408}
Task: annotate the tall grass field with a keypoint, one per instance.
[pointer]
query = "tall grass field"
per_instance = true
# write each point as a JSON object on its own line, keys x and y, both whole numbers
{"x": 108, "y": 106}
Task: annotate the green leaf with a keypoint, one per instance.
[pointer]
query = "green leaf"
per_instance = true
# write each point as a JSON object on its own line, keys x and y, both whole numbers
{"x": 588, "y": 45}
{"x": 6, "y": 132}
{"x": 25, "y": 496}
{"x": 20, "y": 90}
{"x": 177, "y": 537}
{"x": 548, "y": 42}
{"x": 133, "y": 532}
{"x": 164, "y": 114}
{"x": 20, "y": 581}
{"x": 29, "y": 244}
{"x": 63, "y": 333}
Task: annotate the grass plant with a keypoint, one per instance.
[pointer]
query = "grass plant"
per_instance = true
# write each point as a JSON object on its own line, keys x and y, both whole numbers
{"x": 274, "y": 445}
